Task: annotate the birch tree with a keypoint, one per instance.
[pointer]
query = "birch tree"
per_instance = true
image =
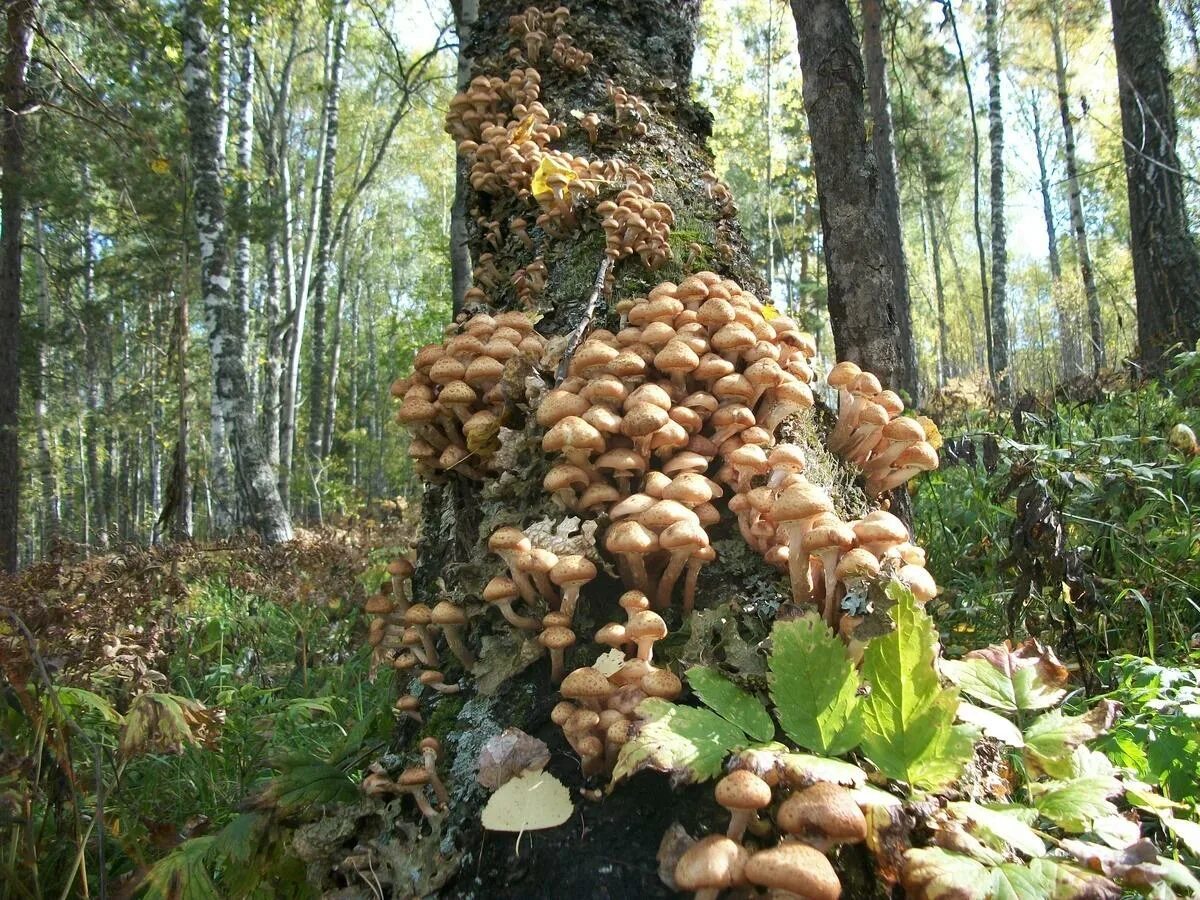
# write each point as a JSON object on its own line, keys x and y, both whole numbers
{"x": 999, "y": 292}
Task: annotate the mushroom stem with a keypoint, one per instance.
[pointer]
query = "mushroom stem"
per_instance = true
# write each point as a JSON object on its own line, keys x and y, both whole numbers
{"x": 637, "y": 566}
{"x": 569, "y": 600}
{"x": 519, "y": 578}
{"x": 739, "y": 819}
{"x": 546, "y": 589}
{"x": 666, "y": 583}
{"x": 829, "y": 559}
{"x": 418, "y": 794}
{"x": 458, "y": 647}
{"x": 516, "y": 619}
{"x": 556, "y": 664}
{"x": 431, "y": 654}
{"x": 695, "y": 564}
{"x": 798, "y": 562}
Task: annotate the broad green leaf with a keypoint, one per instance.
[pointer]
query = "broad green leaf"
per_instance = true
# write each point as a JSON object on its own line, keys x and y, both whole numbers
{"x": 1023, "y": 678}
{"x": 183, "y": 874}
{"x": 998, "y": 829}
{"x": 992, "y": 724}
{"x": 814, "y": 686}
{"x": 908, "y": 718}
{"x": 934, "y": 874}
{"x": 686, "y": 742}
{"x": 803, "y": 769}
{"x": 1076, "y": 804}
{"x": 75, "y": 700}
{"x": 931, "y": 873}
{"x": 1185, "y": 831}
{"x": 1136, "y": 864}
{"x": 1051, "y": 879}
{"x": 306, "y": 782}
{"x": 1051, "y": 740}
{"x": 731, "y": 703}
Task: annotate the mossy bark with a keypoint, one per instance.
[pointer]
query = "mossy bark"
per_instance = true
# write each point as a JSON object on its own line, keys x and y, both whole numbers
{"x": 608, "y": 848}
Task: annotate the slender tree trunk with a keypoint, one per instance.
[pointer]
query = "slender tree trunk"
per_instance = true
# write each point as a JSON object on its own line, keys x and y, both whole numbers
{"x": 51, "y": 501}
{"x": 242, "y": 175}
{"x": 335, "y": 344}
{"x": 94, "y": 325}
{"x": 1166, "y": 263}
{"x": 935, "y": 254}
{"x": 769, "y": 123}
{"x": 861, "y": 295}
{"x": 255, "y": 480}
{"x": 19, "y": 39}
{"x": 999, "y": 294}
{"x": 323, "y": 265}
{"x": 976, "y": 166}
{"x": 1074, "y": 194}
{"x": 465, "y": 14}
{"x": 883, "y": 144}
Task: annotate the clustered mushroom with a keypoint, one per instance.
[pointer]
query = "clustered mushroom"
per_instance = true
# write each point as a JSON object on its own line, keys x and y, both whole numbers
{"x": 811, "y": 821}
{"x": 597, "y": 711}
{"x": 413, "y": 781}
{"x": 635, "y": 223}
{"x": 568, "y": 56}
{"x": 716, "y": 189}
{"x": 453, "y": 400}
{"x": 532, "y": 28}
{"x": 870, "y": 431}
{"x": 630, "y": 110}
{"x": 540, "y": 579}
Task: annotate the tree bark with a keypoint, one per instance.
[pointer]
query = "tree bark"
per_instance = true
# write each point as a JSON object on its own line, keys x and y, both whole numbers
{"x": 999, "y": 293}
{"x": 935, "y": 254}
{"x": 323, "y": 265}
{"x": 51, "y": 501}
{"x": 1074, "y": 193}
{"x": 242, "y": 175}
{"x": 884, "y": 145}
{"x": 1166, "y": 263}
{"x": 465, "y": 14}
{"x": 254, "y": 477}
{"x": 19, "y": 39}
{"x": 861, "y": 293}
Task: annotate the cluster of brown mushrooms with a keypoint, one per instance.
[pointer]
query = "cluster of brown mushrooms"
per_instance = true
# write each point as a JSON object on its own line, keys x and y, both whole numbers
{"x": 414, "y": 781}
{"x": 452, "y": 401}
{"x": 810, "y": 822}
{"x": 533, "y": 28}
{"x": 629, "y": 110}
{"x": 717, "y": 190}
{"x": 870, "y": 431}
{"x": 634, "y": 222}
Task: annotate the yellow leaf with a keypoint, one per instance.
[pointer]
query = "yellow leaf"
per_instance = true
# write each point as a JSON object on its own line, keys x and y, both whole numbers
{"x": 550, "y": 165}
{"x": 769, "y": 312}
{"x": 524, "y": 129}
{"x": 160, "y": 166}
{"x": 531, "y": 801}
{"x": 931, "y": 432}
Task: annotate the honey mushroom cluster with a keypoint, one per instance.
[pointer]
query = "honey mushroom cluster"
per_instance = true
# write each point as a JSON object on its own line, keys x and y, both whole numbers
{"x": 597, "y": 710}
{"x": 568, "y": 56}
{"x": 717, "y": 190}
{"x": 629, "y": 110}
{"x": 414, "y": 781}
{"x": 533, "y": 28}
{"x": 541, "y": 579}
{"x": 453, "y": 400}
{"x": 870, "y": 431}
{"x": 634, "y": 222}
{"x": 810, "y": 822}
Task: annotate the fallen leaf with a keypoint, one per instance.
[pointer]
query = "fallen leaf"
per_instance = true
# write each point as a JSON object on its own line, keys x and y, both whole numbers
{"x": 529, "y": 802}
{"x": 510, "y": 753}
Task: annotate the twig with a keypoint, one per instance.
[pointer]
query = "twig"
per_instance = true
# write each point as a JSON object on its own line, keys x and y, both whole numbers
{"x": 582, "y": 327}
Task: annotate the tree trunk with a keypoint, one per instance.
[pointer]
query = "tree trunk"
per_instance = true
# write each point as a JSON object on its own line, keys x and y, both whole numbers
{"x": 998, "y": 298}
{"x": 255, "y": 480}
{"x": 861, "y": 295}
{"x": 1166, "y": 263}
{"x": 323, "y": 265}
{"x": 465, "y": 14}
{"x": 335, "y": 342}
{"x": 981, "y": 253}
{"x": 51, "y": 501}
{"x": 19, "y": 39}
{"x": 1074, "y": 194}
{"x": 883, "y": 144}
{"x": 242, "y": 175}
{"x": 935, "y": 254}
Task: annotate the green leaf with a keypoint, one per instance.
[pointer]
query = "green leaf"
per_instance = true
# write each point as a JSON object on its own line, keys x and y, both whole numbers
{"x": 731, "y": 703}
{"x": 1050, "y": 879}
{"x": 1014, "y": 679}
{"x": 183, "y": 873}
{"x": 814, "y": 687}
{"x": 999, "y": 829}
{"x": 1184, "y": 831}
{"x": 992, "y": 724}
{"x": 1051, "y": 740}
{"x": 931, "y": 873}
{"x": 1076, "y": 804}
{"x": 908, "y": 718}
{"x": 75, "y": 700}
{"x": 686, "y": 742}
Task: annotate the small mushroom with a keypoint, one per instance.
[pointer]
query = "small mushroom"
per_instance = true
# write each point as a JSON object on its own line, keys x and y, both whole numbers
{"x": 742, "y": 793}
{"x": 822, "y": 816}
{"x": 451, "y": 618}
{"x": 413, "y": 781}
{"x": 710, "y": 866}
{"x": 557, "y": 639}
{"x": 431, "y": 748}
{"x": 432, "y": 678}
{"x": 501, "y": 592}
{"x": 796, "y": 868}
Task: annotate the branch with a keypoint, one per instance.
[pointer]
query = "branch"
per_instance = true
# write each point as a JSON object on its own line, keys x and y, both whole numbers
{"x": 588, "y": 312}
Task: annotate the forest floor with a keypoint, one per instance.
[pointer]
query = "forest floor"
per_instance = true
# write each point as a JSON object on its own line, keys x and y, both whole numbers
{"x": 195, "y": 687}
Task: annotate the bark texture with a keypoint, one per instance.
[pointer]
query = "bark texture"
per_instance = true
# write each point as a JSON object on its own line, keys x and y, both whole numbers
{"x": 883, "y": 144}
{"x": 1166, "y": 263}
{"x": 17, "y": 45}
{"x": 1075, "y": 195}
{"x": 254, "y": 477}
{"x": 999, "y": 293}
{"x": 862, "y": 307}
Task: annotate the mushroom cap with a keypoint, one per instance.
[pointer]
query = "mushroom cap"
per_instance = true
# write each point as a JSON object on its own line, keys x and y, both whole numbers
{"x": 904, "y": 429}
{"x": 538, "y": 561}
{"x": 573, "y": 570}
{"x": 713, "y": 863}
{"x": 802, "y": 500}
{"x": 684, "y": 535}
{"x": 797, "y": 868}
{"x": 550, "y": 619}
{"x": 562, "y": 712}
{"x": 788, "y": 457}
{"x": 920, "y": 456}
{"x": 499, "y": 590}
{"x": 418, "y": 614}
{"x": 632, "y": 671}
{"x": 586, "y": 683}
{"x": 400, "y": 567}
{"x": 842, "y": 374}
{"x": 430, "y": 743}
{"x": 690, "y": 488}
{"x": 558, "y": 404}
{"x": 379, "y": 605}
{"x": 447, "y": 613}
{"x": 881, "y": 527}
{"x": 661, "y": 683}
{"x": 823, "y": 809}
{"x": 573, "y": 432}
{"x": 631, "y": 601}
{"x": 824, "y": 537}
{"x": 664, "y": 514}
{"x": 646, "y": 623}
{"x": 742, "y": 789}
{"x": 557, "y": 638}
{"x": 407, "y": 703}
{"x": 508, "y": 538}
{"x": 629, "y": 536}
{"x": 633, "y": 505}
{"x": 918, "y": 580}
{"x": 858, "y": 563}
{"x": 431, "y": 677}
{"x": 866, "y": 385}
{"x": 612, "y": 635}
